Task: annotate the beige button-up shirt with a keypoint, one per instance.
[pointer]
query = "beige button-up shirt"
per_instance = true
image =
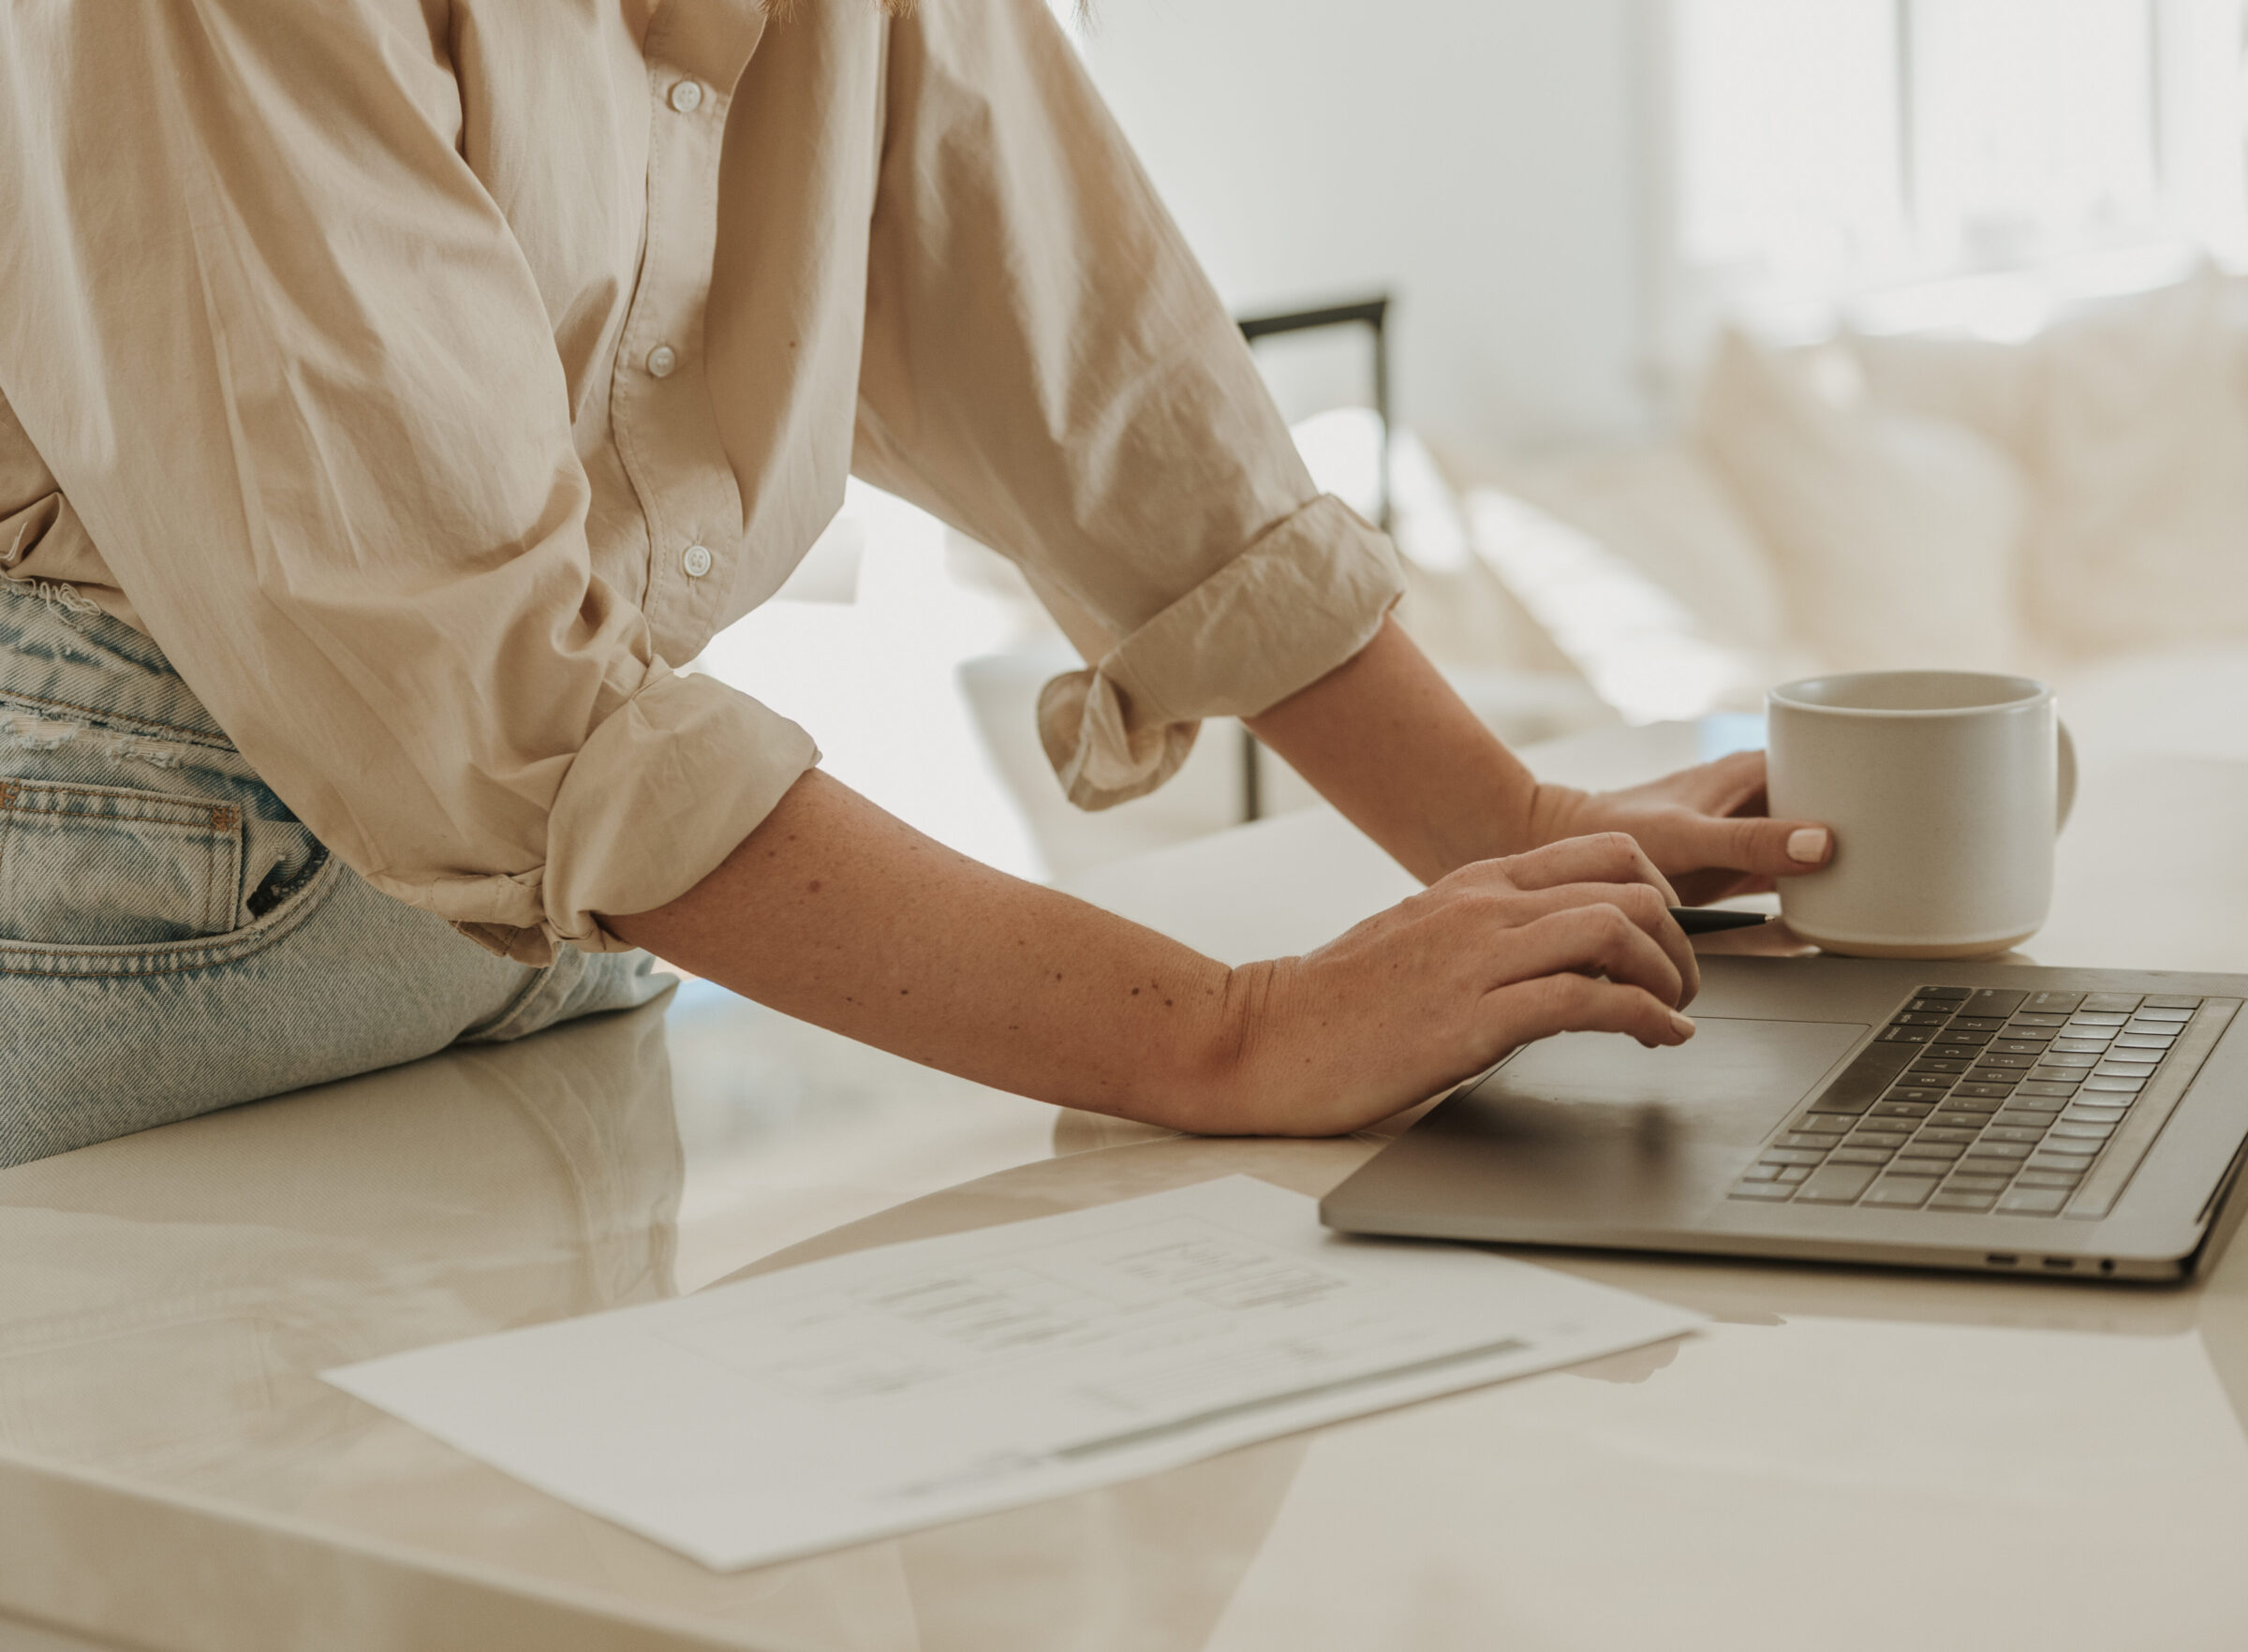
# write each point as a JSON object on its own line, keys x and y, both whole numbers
{"x": 430, "y": 379}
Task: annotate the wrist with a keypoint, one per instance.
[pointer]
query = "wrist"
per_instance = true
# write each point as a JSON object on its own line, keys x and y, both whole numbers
{"x": 1216, "y": 1092}
{"x": 1553, "y": 813}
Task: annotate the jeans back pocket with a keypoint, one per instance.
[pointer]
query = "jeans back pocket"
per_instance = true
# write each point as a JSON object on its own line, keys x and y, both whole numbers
{"x": 104, "y": 866}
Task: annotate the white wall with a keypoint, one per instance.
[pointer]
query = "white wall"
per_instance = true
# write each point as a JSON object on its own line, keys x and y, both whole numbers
{"x": 1481, "y": 159}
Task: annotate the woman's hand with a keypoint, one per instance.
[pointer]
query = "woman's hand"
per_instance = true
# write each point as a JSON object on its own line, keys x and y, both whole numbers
{"x": 1574, "y": 936}
{"x": 1705, "y": 827}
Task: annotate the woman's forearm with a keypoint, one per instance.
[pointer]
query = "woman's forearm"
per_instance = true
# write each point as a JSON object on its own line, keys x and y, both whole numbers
{"x": 1388, "y": 742}
{"x": 840, "y": 914}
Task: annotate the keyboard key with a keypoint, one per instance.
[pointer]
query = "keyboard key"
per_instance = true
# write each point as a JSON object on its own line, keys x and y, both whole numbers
{"x": 1980, "y": 1092}
{"x": 2024, "y": 1118}
{"x": 2107, "y": 1084}
{"x": 2014, "y": 1133}
{"x": 2012, "y": 1044}
{"x": 2069, "y": 1131}
{"x": 1824, "y": 1122}
{"x": 2043, "y": 1106}
{"x": 1956, "y": 1035}
{"x": 1856, "y": 1154}
{"x": 1930, "y": 1150}
{"x": 1968, "y": 1180}
{"x": 1841, "y": 1100}
{"x": 1836, "y": 1183}
{"x": 1789, "y": 1155}
{"x": 2060, "y": 1075}
{"x": 1957, "y": 1138}
{"x": 1771, "y": 1190}
{"x": 1864, "y": 1138}
{"x": 1762, "y": 1173}
{"x": 2043, "y": 1087}
{"x": 2006, "y": 1078}
{"x": 2142, "y": 1041}
{"x": 2045, "y": 1178}
{"x": 1794, "y": 1172}
{"x": 1963, "y": 1200}
{"x": 1959, "y": 1120}
{"x": 2032, "y": 1201}
{"x": 2096, "y": 1021}
{"x": 2043, "y": 1023}
{"x": 1973, "y": 1022}
{"x": 1902, "y": 1109}
{"x": 2110, "y": 1003}
{"x": 1913, "y": 1093}
{"x": 1996, "y": 1001}
{"x": 1940, "y": 1064}
{"x": 1987, "y": 1149}
{"x": 1806, "y": 1139}
{"x": 2054, "y": 1003}
{"x": 2010, "y": 1060}
{"x": 1864, "y": 1079}
{"x": 2158, "y": 1003}
{"x": 1908, "y": 1034}
{"x": 2092, "y": 1116}
{"x": 2064, "y": 1055}
{"x": 1945, "y": 1007}
{"x": 1909, "y": 1191}
{"x": 2047, "y": 1158}
{"x": 1923, "y": 1018}
{"x": 1955, "y": 994}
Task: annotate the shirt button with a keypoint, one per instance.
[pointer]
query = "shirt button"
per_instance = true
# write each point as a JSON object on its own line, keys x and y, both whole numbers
{"x": 687, "y": 96}
{"x": 661, "y": 359}
{"x": 696, "y": 560}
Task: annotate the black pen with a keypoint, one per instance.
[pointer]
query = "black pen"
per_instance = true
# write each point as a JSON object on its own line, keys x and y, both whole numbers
{"x": 1709, "y": 919}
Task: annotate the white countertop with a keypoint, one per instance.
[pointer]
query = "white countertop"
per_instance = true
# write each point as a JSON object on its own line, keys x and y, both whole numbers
{"x": 1848, "y": 1458}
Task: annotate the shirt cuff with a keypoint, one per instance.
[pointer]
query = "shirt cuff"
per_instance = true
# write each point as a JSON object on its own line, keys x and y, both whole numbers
{"x": 1304, "y": 598}
{"x": 661, "y": 792}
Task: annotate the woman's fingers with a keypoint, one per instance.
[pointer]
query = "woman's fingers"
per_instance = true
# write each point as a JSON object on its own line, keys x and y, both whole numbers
{"x": 1639, "y": 902}
{"x": 1589, "y": 940}
{"x": 1608, "y": 857}
{"x": 1532, "y": 1009}
{"x": 1750, "y": 843}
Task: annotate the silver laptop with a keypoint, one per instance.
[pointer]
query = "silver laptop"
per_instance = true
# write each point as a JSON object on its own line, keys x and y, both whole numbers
{"x": 1989, "y": 1117}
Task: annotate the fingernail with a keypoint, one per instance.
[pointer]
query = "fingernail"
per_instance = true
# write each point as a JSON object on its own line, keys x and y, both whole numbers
{"x": 1682, "y": 1024}
{"x": 1808, "y": 845}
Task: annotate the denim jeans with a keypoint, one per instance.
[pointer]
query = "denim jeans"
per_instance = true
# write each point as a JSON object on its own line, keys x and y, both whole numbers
{"x": 173, "y": 939}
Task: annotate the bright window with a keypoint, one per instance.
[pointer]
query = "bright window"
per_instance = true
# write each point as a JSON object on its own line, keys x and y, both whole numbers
{"x": 1828, "y": 146}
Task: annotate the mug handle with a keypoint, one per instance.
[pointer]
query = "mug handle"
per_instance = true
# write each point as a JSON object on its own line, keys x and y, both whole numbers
{"x": 2066, "y": 778}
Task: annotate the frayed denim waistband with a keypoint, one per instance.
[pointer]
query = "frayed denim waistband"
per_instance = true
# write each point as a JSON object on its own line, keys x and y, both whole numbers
{"x": 67, "y": 670}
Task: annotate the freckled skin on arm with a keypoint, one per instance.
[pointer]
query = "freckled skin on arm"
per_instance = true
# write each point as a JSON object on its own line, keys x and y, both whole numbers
{"x": 840, "y": 914}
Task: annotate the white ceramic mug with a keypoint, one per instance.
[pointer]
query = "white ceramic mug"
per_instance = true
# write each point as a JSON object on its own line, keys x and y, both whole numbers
{"x": 1945, "y": 790}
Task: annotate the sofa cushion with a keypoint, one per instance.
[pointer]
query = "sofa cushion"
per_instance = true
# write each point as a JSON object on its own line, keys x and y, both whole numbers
{"x": 1660, "y": 510}
{"x": 1895, "y": 537}
{"x": 2138, "y": 436}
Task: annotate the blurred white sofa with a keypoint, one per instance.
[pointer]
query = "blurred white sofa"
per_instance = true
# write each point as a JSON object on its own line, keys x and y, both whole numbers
{"x": 2070, "y": 502}
{"x": 2056, "y": 503}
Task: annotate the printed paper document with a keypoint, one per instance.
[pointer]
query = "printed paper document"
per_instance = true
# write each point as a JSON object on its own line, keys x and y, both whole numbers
{"x": 864, "y": 1396}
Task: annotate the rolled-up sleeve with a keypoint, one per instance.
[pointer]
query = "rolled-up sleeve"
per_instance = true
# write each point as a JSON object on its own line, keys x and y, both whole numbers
{"x": 1047, "y": 369}
{"x": 281, "y": 350}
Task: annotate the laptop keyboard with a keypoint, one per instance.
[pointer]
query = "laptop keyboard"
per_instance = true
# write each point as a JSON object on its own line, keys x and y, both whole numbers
{"x": 2011, "y": 1103}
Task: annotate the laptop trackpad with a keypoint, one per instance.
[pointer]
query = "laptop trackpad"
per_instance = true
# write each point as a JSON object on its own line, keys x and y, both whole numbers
{"x": 1590, "y": 1125}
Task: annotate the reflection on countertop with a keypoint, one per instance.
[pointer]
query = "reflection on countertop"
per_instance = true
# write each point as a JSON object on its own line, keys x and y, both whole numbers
{"x": 170, "y": 1295}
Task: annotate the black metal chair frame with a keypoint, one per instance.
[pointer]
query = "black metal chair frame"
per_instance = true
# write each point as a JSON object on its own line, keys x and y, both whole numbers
{"x": 1373, "y": 315}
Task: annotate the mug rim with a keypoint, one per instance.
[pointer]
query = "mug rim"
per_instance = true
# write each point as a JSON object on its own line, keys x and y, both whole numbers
{"x": 2033, "y": 693}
